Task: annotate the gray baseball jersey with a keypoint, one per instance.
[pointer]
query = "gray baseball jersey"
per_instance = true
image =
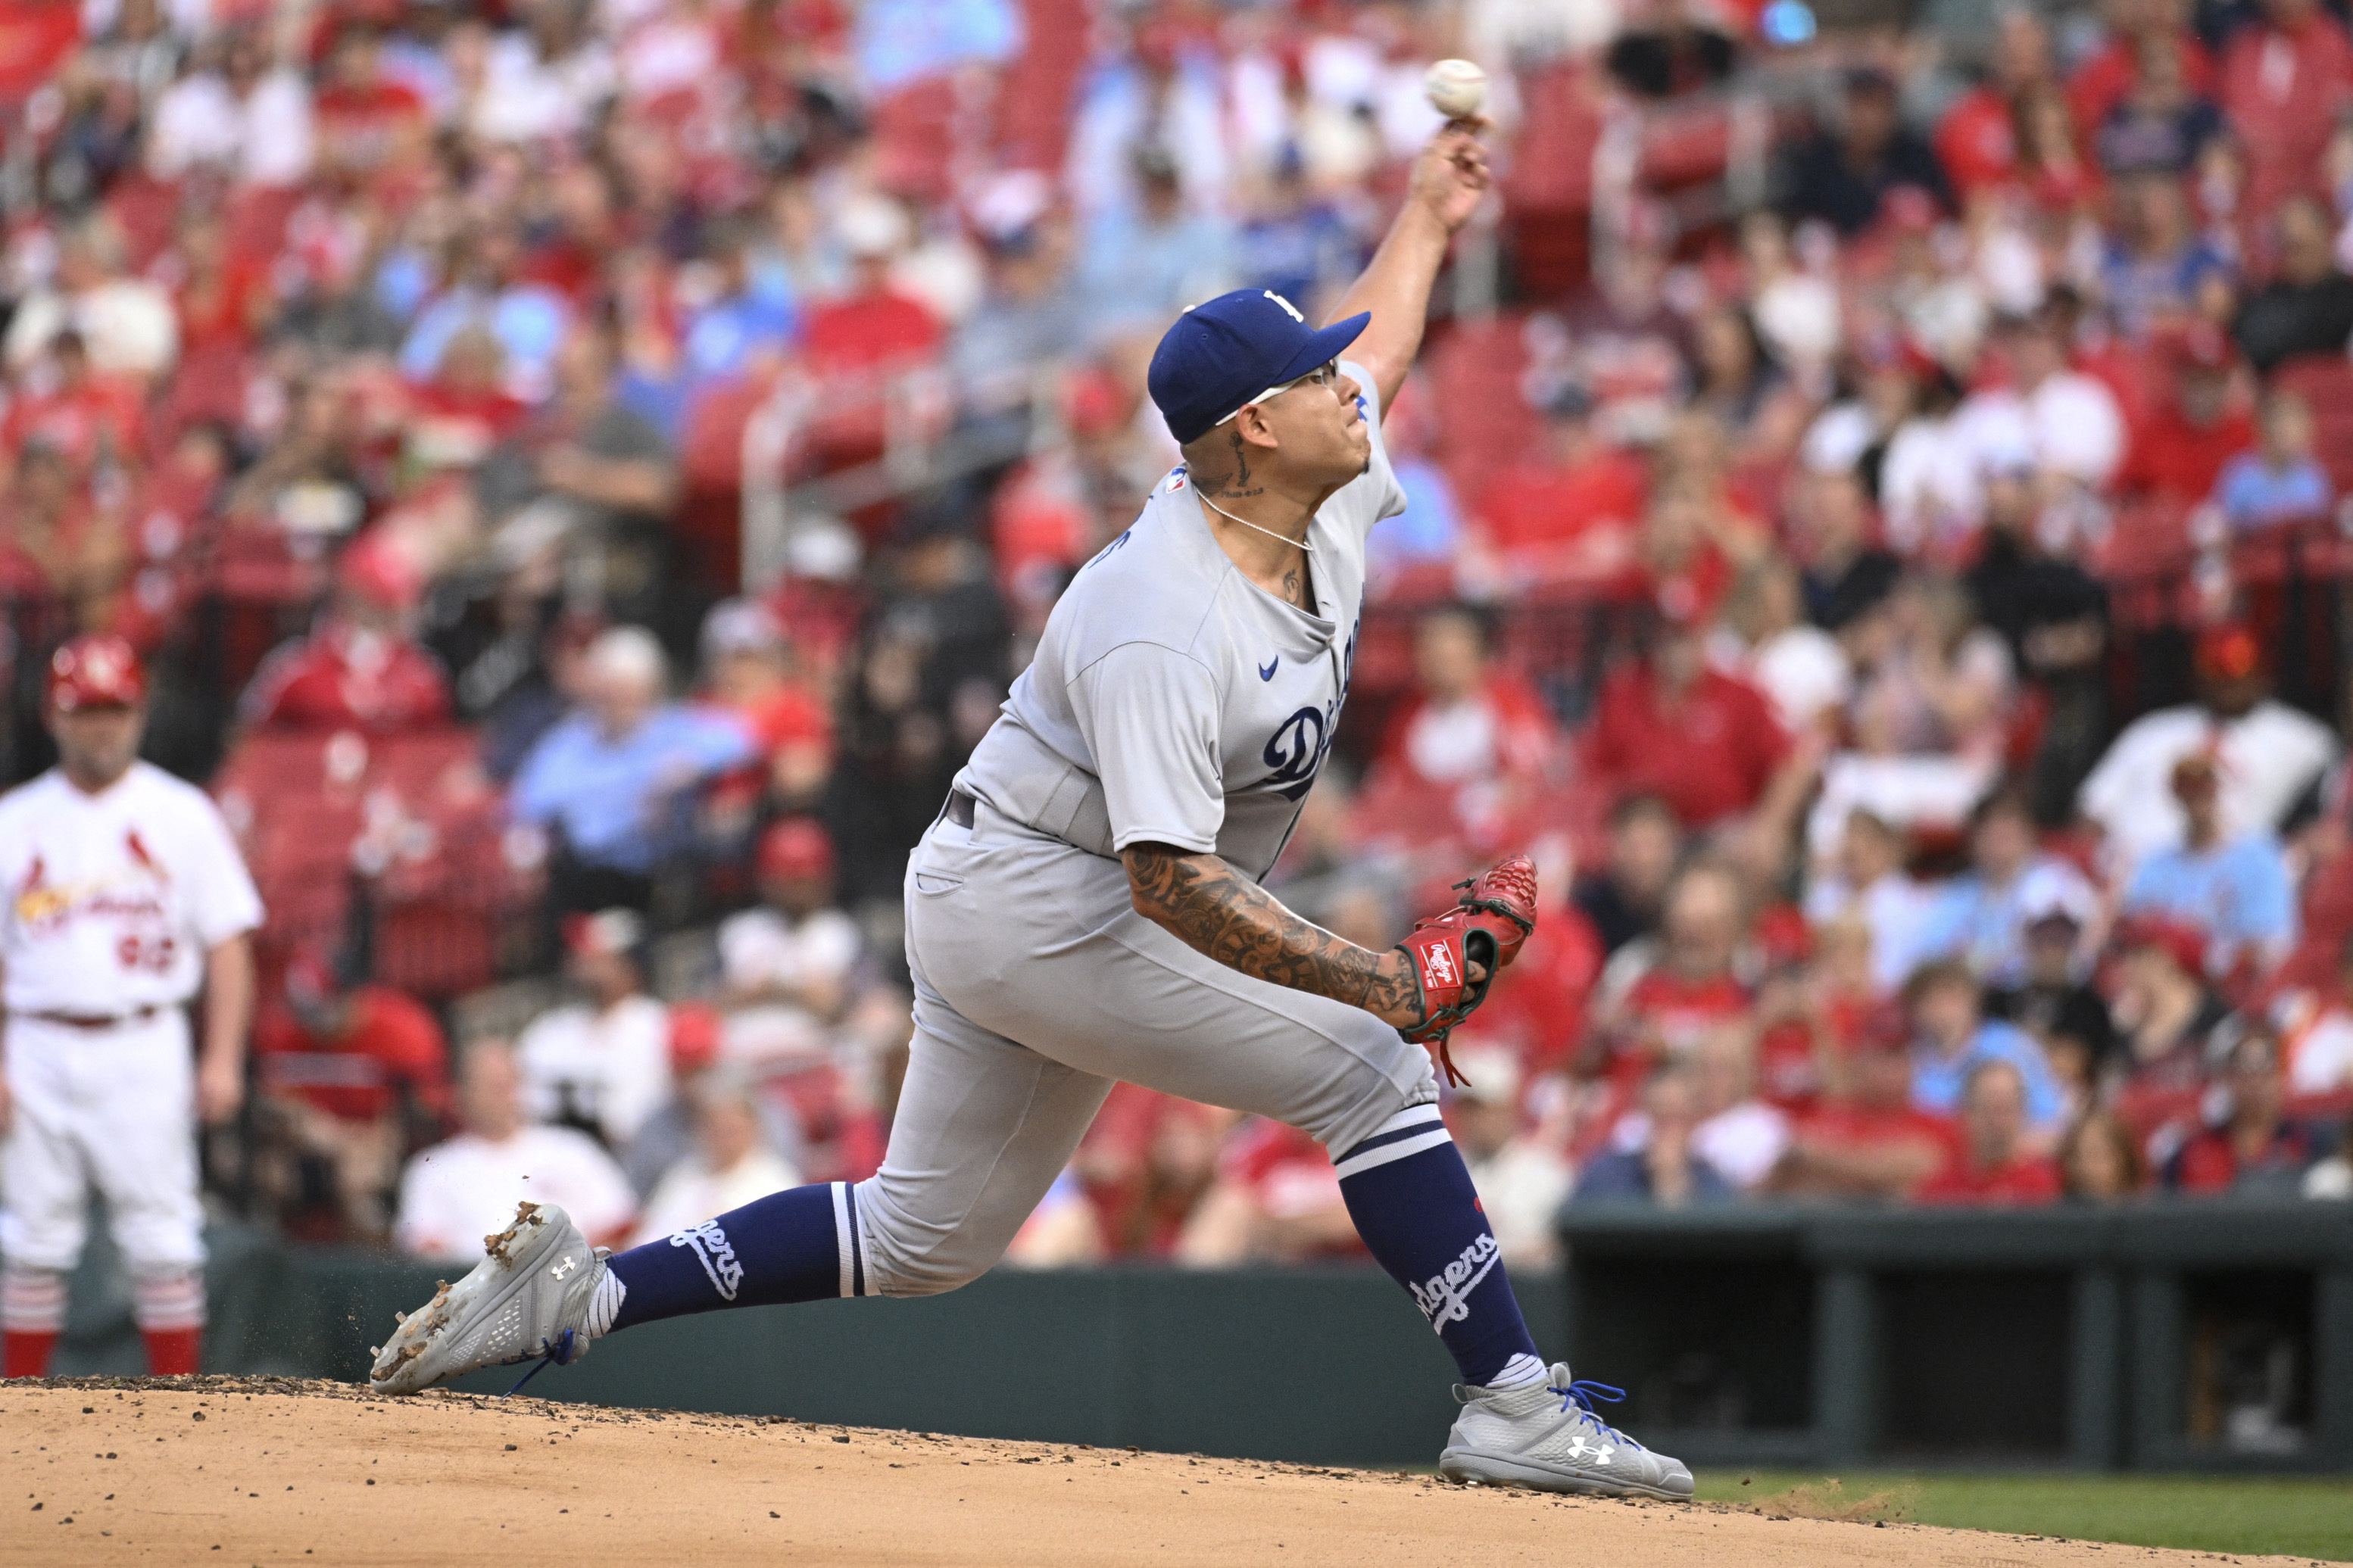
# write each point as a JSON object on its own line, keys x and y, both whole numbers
{"x": 1174, "y": 700}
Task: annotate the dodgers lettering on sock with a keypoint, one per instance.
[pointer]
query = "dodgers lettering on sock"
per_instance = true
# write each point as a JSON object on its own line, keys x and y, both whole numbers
{"x": 1413, "y": 1203}
{"x": 796, "y": 1245}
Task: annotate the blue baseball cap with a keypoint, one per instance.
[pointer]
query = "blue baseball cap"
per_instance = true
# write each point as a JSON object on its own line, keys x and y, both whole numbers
{"x": 1234, "y": 349}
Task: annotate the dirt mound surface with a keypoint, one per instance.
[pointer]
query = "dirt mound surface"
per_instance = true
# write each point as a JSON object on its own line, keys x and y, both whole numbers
{"x": 99, "y": 1471}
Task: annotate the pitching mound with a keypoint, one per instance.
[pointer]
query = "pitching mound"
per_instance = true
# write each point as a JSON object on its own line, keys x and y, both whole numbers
{"x": 99, "y": 1471}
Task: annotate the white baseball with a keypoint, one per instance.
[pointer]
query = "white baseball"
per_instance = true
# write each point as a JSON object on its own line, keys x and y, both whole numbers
{"x": 1455, "y": 89}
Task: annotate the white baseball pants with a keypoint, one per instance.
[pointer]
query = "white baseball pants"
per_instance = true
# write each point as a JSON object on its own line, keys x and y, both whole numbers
{"x": 110, "y": 1108}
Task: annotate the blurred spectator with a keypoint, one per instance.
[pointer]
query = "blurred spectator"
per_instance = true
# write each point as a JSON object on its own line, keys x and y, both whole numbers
{"x": 1140, "y": 264}
{"x": 875, "y": 325}
{"x": 2175, "y": 1028}
{"x": 2099, "y": 1161}
{"x": 752, "y": 672}
{"x": 2159, "y": 271}
{"x": 1145, "y": 1166}
{"x": 605, "y": 775}
{"x": 1670, "y": 50}
{"x": 1992, "y": 1163}
{"x": 2068, "y": 420}
{"x": 730, "y": 1165}
{"x": 603, "y": 1064}
{"x": 1796, "y": 664}
{"x": 2280, "y": 481}
{"x": 2240, "y": 891}
{"x": 1277, "y": 1199}
{"x": 2285, "y": 81}
{"x": 1705, "y": 742}
{"x": 2254, "y": 1147}
{"x": 1951, "y": 1036}
{"x": 1468, "y": 720}
{"x": 1522, "y": 1183}
{"x": 526, "y": 319}
{"x": 1982, "y": 916}
{"x": 2179, "y": 450}
{"x": 1739, "y": 1135}
{"x": 454, "y": 1194}
{"x": 1568, "y": 510}
{"x": 248, "y": 118}
{"x": 2307, "y": 307}
{"x": 1683, "y": 986}
{"x": 1867, "y": 883}
{"x": 745, "y": 327}
{"x": 361, "y": 668}
{"x": 2268, "y": 756}
{"x": 1623, "y": 897}
{"x": 2164, "y": 119}
{"x": 2315, "y": 1031}
{"x": 1977, "y": 139}
{"x": 126, "y": 324}
{"x": 1845, "y": 570}
{"x": 2138, "y": 32}
{"x": 1665, "y": 1169}
{"x": 351, "y": 1069}
{"x": 789, "y": 964}
{"x": 1842, "y": 174}
{"x": 585, "y": 468}
{"x": 2052, "y": 997}
{"x": 1870, "y": 1141}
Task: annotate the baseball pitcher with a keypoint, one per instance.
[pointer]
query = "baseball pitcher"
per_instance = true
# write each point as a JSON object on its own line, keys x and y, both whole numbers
{"x": 1087, "y": 908}
{"x": 125, "y": 896}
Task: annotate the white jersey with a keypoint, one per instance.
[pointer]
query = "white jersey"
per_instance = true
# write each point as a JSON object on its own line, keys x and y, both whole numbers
{"x": 1174, "y": 700}
{"x": 114, "y": 897}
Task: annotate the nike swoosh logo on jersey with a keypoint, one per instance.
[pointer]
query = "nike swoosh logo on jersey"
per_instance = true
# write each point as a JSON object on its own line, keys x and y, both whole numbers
{"x": 1266, "y": 670}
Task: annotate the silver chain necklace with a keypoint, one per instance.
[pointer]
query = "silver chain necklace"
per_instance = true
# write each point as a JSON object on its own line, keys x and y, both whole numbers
{"x": 1246, "y": 522}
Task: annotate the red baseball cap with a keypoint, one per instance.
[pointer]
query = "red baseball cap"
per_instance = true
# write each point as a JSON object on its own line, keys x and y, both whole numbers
{"x": 2178, "y": 938}
{"x": 694, "y": 1032}
{"x": 96, "y": 671}
{"x": 796, "y": 847}
{"x": 2228, "y": 651}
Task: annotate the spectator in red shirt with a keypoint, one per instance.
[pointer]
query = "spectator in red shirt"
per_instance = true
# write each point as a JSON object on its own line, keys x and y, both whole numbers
{"x": 1976, "y": 141}
{"x": 2135, "y": 26}
{"x": 1705, "y": 742}
{"x": 1145, "y": 1163}
{"x": 1690, "y": 989}
{"x": 348, "y": 1069}
{"x": 1573, "y": 510}
{"x": 2179, "y": 453}
{"x": 80, "y": 415}
{"x": 1991, "y": 1164}
{"x": 367, "y": 125}
{"x": 2255, "y": 1148}
{"x": 873, "y": 326}
{"x": 1277, "y": 1198}
{"x": 2284, "y": 83}
{"x": 1869, "y": 1140}
{"x": 361, "y": 668}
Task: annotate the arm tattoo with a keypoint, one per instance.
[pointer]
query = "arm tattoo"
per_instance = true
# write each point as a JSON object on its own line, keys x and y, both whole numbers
{"x": 1222, "y": 913}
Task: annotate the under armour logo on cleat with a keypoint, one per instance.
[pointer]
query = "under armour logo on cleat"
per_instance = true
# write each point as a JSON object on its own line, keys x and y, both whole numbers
{"x": 1266, "y": 670}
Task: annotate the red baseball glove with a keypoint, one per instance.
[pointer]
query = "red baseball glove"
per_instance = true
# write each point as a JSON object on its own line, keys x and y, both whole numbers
{"x": 1497, "y": 911}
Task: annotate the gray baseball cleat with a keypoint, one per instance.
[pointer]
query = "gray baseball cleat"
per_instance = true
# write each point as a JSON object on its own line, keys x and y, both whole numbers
{"x": 1547, "y": 1438}
{"x": 529, "y": 1298}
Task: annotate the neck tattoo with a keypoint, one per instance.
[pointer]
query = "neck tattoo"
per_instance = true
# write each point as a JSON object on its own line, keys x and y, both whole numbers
{"x": 1246, "y": 522}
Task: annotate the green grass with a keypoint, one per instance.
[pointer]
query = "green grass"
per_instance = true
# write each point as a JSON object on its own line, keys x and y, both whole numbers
{"x": 2301, "y": 1517}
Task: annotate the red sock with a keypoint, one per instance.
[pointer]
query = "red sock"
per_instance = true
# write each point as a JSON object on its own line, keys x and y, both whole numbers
{"x": 26, "y": 1353}
{"x": 173, "y": 1353}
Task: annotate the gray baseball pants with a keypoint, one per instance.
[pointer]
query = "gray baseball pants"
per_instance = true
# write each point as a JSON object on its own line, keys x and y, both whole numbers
{"x": 1037, "y": 987}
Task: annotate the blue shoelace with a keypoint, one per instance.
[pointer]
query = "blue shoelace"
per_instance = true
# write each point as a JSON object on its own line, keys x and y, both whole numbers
{"x": 1580, "y": 1395}
{"x": 559, "y": 1352}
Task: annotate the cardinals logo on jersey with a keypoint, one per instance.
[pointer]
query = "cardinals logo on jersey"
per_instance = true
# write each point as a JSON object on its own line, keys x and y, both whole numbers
{"x": 41, "y": 903}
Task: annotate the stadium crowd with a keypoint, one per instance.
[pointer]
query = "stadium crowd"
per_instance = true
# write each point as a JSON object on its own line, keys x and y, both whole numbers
{"x": 1885, "y": 564}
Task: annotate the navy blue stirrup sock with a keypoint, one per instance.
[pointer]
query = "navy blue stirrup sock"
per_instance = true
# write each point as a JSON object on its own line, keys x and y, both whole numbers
{"x": 1412, "y": 1198}
{"x": 802, "y": 1245}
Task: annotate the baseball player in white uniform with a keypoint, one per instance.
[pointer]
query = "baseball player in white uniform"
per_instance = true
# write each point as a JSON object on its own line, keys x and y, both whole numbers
{"x": 1087, "y": 910}
{"x": 125, "y": 896}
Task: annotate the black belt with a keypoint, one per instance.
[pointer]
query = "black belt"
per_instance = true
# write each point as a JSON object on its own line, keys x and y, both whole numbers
{"x": 960, "y": 808}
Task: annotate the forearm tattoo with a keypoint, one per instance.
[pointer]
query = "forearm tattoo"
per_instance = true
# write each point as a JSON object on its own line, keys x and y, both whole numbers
{"x": 1225, "y": 915}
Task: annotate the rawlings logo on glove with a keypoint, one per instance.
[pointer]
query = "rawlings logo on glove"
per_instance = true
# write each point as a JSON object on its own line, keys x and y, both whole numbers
{"x": 1487, "y": 927}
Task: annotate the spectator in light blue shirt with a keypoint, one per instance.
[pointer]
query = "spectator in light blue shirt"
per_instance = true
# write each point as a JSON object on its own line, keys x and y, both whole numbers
{"x": 1951, "y": 1035}
{"x": 529, "y": 320}
{"x": 2280, "y": 481}
{"x": 605, "y": 776}
{"x": 1148, "y": 263}
{"x": 2240, "y": 891}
